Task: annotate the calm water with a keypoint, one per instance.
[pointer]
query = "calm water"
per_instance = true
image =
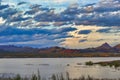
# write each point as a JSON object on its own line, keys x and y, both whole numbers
{"x": 49, "y": 66}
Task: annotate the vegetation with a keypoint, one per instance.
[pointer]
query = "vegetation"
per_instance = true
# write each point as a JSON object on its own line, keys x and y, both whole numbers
{"x": 90, "y": 63}
{"x": 53, "y": 77}
{"x": 110, "y": 63}
{"x": 107, "y": 63}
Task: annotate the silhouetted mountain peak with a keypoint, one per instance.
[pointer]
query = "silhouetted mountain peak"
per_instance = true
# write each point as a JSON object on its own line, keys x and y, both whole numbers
{"x": 104, "y": 46}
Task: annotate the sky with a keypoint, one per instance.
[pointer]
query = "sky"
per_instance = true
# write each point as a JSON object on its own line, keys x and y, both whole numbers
{"x": 71, "y": 24}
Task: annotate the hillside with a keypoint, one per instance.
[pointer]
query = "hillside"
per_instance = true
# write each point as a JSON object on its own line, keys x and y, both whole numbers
{"x": 105, "y": 50}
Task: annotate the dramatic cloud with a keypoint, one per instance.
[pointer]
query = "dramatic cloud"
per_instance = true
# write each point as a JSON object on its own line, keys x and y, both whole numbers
{"x": 49, "y": 23}
{"x": 103, "y": 13}
{"x": 23, "y": 36}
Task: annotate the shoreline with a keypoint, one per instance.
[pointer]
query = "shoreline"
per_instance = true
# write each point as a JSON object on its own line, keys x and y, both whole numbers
{"x": 56, "y": 57}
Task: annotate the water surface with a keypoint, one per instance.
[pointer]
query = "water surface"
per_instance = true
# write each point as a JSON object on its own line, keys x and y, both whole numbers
{"x": 49, "y": 66}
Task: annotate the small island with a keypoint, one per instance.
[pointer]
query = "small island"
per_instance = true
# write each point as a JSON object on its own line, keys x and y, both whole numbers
{"x": 115, "y": 63}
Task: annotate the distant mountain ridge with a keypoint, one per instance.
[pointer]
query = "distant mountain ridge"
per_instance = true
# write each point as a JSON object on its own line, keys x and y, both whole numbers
{"x": 103, "y": 48}
{"x": 12, "y": 48}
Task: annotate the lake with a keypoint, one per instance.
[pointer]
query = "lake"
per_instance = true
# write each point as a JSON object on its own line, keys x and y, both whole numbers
{"x": 47, "y": 66}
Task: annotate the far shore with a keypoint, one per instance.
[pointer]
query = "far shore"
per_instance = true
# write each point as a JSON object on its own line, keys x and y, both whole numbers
{"x": 57, "y": 55}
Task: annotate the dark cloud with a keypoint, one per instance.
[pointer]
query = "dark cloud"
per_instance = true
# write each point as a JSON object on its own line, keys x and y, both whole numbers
{"x": 24, "y": 38}
{"x": 107, "y": 6}
{"x": 100, "y": 19}
{"x": 15, "y": 31}
{"x": 31, "y": 12}
{"x": 109, "y": 30}
{"x": 104, "y": 30}
{"x": 84, "y": 32}
{"x": 101, "y": 14}
{"x": 89, "y": 5}
{"x": 21, "y": 3}
{"x": 72, "y": 10}
{"x": 83, "y": 40}
{"x": 34, "y": 37}
{"x": 3, "y": 7}
{"x": 18, "y": 18}
{"x": 34, "y": 6}
{"x": 28, "y": 40}
{"x": 8, "y": 13}
{"x": 33, "y": 9}
{"x": 49, "y": 15}
{"x": 104, "y": 13}
{"x": 98, "y": 40}
{"x": 67, "y": 29}
{"x": 45, "y": 17}
{"x": 102, "y": 6}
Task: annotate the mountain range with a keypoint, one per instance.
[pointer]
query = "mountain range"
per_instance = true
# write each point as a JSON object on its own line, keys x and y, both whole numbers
{"x": 9, "y": 50}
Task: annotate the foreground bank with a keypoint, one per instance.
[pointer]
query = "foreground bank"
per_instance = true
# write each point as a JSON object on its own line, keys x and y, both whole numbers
{"x": 53, "y": 77}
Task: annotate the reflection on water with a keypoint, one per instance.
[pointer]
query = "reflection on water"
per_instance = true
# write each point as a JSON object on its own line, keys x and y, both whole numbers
{"x": 49, "y": 66}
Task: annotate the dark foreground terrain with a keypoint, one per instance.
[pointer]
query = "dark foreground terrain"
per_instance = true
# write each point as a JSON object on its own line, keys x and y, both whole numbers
{"x": 53, "y": 77}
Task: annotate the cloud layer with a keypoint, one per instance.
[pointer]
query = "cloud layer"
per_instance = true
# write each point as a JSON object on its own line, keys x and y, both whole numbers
{"x": 25, "y": 23}
{"x": 103, "y": 13}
